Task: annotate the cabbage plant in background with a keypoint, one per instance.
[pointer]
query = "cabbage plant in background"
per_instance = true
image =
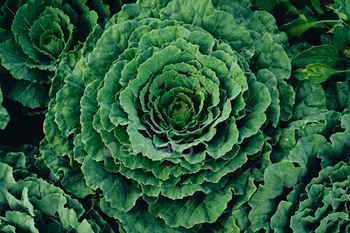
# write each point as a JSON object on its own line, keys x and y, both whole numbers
{"x": 323, "y": 206}
{"x": 169, "y": 116}
{"x": 35, "y": 35}
{"x": 30, "y": 203}
{"x": 306, "y": 189}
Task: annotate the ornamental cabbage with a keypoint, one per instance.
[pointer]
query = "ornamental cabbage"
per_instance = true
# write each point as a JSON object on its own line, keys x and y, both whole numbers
{"x": 30, "y": 203}
{"x": 323, "y": 207}
{"x": 306, "y": 190}
{"x": 170, "y": 118}
{"x": 35, "y": 36}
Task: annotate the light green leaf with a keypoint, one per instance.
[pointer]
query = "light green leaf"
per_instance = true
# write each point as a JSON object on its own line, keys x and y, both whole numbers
{"x": 24, "y": 221}
{"x": 272, "y": 56}
{"x": 316, "y": 72}
{"x": 84, "y": 227}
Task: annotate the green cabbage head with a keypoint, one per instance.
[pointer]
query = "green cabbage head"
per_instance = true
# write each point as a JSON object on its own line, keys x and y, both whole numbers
{"x": 178, "y": 108}
{"x": 35, "y": 36}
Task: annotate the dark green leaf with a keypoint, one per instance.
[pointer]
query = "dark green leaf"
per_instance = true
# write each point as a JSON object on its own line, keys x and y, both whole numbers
{"x": 266, "y": 4}
{"x": 325, "y": 54}
{"x": 298, "y": 26}
{"x": 340, "y": 38}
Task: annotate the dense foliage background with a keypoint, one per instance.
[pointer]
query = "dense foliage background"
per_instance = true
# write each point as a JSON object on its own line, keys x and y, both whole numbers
{"x": 174, "y": 116}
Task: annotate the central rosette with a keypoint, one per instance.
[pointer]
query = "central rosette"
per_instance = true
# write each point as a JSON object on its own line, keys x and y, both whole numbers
{"x": 180, "y": 98}
{"x": 185, "y": 101}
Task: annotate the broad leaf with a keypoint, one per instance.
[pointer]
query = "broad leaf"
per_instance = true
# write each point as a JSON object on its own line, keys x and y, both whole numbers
{"x": 299, "y": 26}
{"x": 324, "y": 54}
{"x": 316, "y": 72}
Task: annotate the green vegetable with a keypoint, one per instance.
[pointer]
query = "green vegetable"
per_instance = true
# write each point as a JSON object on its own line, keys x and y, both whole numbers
{"x": 173, "y": 125}
{"x": 323, "y": 205}
{"x": 174, "y": 116}
{"x": 33, "y": 204}
{"x": 42, "y": 32}
{"x": 272, "y": 205}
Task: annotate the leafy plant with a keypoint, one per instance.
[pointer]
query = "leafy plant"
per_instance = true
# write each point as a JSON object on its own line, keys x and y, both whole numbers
{"x": 32, "y": 204}
{"x": 41, "y": 33}
{"x": 320, "y": 62}
{"x": 176, "y": 113}
{"x": 323, "y": 206}
{"x": 174, "y": 116}
{"x": 302, "y": 154}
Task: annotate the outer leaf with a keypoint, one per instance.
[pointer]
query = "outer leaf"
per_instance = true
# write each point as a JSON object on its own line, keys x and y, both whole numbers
{"x": 219, "y": 24}
{"x": 40, "y": 201}
{"x": 298, "y": 26}
{"x": 120, "y": 193}
{"x": 318, "y": 207}
{"x": 72, "y": 181}
{"x": 29, "y": 94}
{"x": 65, "y": 68}
{"x": 317, "y": 5}
{"x": 310, "y": 100}
{"x": 344, "y": 8}
{"x": 4, "y": 116}
{"x": 341, "y": 37}
{"x": 15, "y": 60}
{"x": 194, "y": 210}
{"x": 266, "y": 4}
{"x": 315, "y": 72}
{"x": 325, "y": 54}
{"x": 140, "y": 220}
{"x": 337, "y": 150}
{"x": 338, "y": 96}
{"x": 67, "y": 115}
{"x": 284, "y": 174}
{"x": 25, "y": 222}
{"x": 273, "y": 58}
{"x": 287, "y": 98}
